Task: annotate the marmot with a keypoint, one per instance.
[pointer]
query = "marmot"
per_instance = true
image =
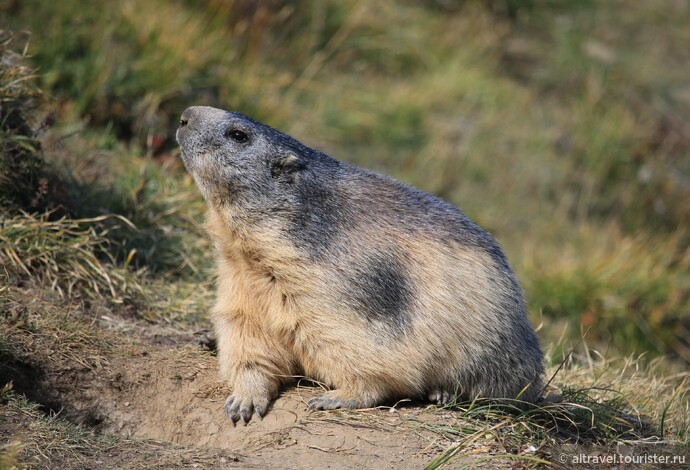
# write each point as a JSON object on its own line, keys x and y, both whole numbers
{"x": 342, "y": 275}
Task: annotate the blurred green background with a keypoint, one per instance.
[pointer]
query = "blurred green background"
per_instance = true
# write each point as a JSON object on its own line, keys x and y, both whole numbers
{"x": 563, "y": 127}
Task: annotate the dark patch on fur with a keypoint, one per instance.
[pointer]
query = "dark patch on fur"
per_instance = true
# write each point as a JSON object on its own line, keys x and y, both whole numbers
{"x": 318, "y": 217}
{"x": 381, "y": 291}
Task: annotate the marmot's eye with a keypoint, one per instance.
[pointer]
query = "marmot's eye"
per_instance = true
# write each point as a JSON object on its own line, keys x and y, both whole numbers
{"x": 237, "y": 135}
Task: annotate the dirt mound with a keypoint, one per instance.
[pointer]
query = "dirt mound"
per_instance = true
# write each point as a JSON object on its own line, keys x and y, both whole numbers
{"x": 173, "y": 395}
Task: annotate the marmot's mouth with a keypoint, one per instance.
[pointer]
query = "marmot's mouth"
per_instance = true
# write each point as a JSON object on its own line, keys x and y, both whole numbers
{"x": 186, "y": 155}
{"x": 185, "y": 141}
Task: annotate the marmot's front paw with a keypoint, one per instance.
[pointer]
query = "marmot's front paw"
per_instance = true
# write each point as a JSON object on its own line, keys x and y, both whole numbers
{"x": 241, "y": 405}
{"x": 333, "y": 400}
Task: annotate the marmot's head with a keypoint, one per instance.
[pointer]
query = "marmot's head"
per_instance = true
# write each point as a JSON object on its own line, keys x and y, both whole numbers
{"x": 257, "y": 175}
{"x": 236, "y": 159}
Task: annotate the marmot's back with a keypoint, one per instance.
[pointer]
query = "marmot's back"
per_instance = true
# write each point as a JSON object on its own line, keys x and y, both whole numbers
{"x": 374, "y": 287}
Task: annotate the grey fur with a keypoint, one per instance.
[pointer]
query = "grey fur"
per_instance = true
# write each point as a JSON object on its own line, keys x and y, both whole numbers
{"x": 350, "y": 228}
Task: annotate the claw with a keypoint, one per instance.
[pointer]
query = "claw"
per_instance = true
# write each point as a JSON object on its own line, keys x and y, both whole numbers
{"x": 228, "y": 403}
{"x": 231, "y": 409}
{"x": 240, "y": 407}
{"x": 260, "y": 410}
{"x": 246, "y": 414}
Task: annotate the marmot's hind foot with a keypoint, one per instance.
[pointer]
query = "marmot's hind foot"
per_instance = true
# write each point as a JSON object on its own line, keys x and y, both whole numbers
{"x": 333, "y": 400}
{"x": 441, "y": 397}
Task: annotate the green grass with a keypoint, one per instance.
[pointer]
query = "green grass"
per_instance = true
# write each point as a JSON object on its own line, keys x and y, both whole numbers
{"x": 637, "y": 285}
{"x": 163, "y": 233}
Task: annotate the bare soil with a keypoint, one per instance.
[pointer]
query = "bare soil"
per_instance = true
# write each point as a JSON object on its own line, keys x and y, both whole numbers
{"x": 156, "y": 393}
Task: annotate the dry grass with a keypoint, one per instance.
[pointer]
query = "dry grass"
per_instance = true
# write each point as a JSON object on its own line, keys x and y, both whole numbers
{"x": 600, "y": 402}
{"x": 43, "y": 329}
{"x": 77, "y": 259}
{"x": 69, "y": 255}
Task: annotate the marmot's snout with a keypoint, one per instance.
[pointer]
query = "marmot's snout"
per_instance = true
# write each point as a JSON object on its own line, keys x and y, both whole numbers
{"x": 189, "y": 120}
{"x": 196, "y": 114}
{"x": 186, "y": 118}
{"x": 197, "y": 130}
{"x": 192, "y": 134}
{"x": 199, "y": 121}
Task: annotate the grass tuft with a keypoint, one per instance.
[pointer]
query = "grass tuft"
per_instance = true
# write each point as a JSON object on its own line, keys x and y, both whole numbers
{"x": 598, "y": 403}
{"x": 70, "y": 255}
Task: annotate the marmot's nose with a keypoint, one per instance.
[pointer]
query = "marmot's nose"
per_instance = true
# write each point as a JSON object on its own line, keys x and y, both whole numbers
{"x": 189, "y": 122}
{"x": 199, "y": 116}
{"x": 187, "y": 116}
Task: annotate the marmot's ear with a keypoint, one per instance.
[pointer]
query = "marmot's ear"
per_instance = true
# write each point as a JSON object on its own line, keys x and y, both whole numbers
{"x": 286, "y": 165}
